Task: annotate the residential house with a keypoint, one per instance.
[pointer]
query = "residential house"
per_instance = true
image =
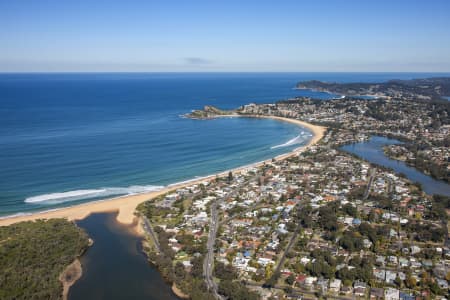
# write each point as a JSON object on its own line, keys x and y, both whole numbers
{"x": 335, "y": 285}
{"x": 391, "y": 294}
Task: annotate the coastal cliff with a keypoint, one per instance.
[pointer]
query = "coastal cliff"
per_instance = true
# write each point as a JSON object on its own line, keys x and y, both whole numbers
{"x": 249, "y": 110}
{"x": 208, "y": 112}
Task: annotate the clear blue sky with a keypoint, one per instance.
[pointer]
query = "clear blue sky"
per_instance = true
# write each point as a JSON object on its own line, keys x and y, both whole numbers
{"x": 189, "y": 35}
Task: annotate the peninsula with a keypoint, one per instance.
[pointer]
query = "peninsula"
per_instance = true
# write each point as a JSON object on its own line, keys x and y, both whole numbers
{"x": 435, "y": 88}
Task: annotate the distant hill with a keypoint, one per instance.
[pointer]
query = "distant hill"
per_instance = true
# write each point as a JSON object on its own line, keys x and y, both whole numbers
{"x": 426, "y": 88}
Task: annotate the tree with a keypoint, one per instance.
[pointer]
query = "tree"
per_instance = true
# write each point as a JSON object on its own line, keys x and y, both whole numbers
{"x": 398, "y": 281}
{"x": 236, "y": 291}
{"x": 328, "y": 219}
{"x": 290, "y": 279}
{"x": 225, "y": 272}
{"x": 197, "y": 267}
{"x": 272, "y": 281}
{"x": 268, "y": 271}
{"x": 350, "y": 210}
{"x": 288, "y": 290}
{"x": 291, "y": 254}
{"x": 373, "y": 216}
{"x": 350, "y": 241}
{"x": 179, "y": 272}
{"x": 34, "y": 254}
{"x": 410, "y": 282}
{"x": 230, "y": 177}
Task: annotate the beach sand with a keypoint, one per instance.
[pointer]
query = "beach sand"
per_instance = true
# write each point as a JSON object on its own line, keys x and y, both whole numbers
{"x": 126, "y": 205}
{"x": 69, "y": 276}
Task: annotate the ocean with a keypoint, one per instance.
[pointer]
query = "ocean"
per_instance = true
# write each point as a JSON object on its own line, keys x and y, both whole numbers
{"x": 74, "y": 137}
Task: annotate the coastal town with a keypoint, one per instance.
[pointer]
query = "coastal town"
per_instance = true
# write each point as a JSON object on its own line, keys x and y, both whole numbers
{"x": 320, "y": 224}
{"x": 225, "y": 150}
{"x": 423, "y": 127}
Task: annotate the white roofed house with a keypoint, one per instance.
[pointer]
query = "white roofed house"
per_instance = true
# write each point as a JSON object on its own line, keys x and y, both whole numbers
{"x": 390, "y": 276}
{"x": 304, "y": 260}
{"x": 335, "y": 285}
{"x": 367, "y": 243}
{"x": 309, "y": 281}
{"x": 360, "y": 288}
{"x": 442, "y": 284}
{"x": 415, "y": 249}
{"x": 240, "y": 262}
{"x": 241, "y": 222}
{"x": 391, "y": 294}
{"x": 322, "y": 284}
{"x": 265, "y": 261}
{"x": 201, "y": 218}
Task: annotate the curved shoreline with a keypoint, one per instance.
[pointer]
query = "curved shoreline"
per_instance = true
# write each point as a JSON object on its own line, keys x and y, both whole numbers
{"x": 69, "y": 276}
{"x": 126, "y": 205}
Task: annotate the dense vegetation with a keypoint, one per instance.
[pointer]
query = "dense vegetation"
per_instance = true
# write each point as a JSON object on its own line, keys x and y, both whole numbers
{"x": 34, "y": 254}
{"x": 420, "y": 160}
{"x": 236, "y": 290}
{"x": 434, "y": 88}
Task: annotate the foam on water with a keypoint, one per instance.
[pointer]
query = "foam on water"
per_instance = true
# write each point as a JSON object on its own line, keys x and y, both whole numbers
{"x": 75, "y": 195}
{"x": 15, "y": 215}
{"x": 297, "y": 140}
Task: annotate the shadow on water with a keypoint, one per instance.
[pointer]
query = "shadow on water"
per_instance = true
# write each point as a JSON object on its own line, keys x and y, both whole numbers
{"x": 114, "y": 267}
{"x": 372, "y": 151}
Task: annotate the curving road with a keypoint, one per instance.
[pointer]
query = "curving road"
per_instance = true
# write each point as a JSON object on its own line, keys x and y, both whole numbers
{"x": 209, "y": 259}
{"x": 208, "y": 264}
{"x": 149, "y": 230}
{"x": 289, "y": 246}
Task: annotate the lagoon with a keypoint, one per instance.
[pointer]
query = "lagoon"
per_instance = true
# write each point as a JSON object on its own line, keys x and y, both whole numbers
{"x": 115, "y": 267}
{"x": 372, "y": 151}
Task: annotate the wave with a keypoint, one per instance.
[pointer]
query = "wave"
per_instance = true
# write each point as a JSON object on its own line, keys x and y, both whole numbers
{"x": 21, "y": 214}
{"x": 297, "y": 140}
{"x": 55, "y": 198}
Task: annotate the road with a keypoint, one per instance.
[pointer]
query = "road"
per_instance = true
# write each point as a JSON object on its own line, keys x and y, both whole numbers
{"x": 300, "y": 292}
{"x": 208, "y": 264}
{"x": 390, "y": 187}
{"x": 209, "y": 259}
{"x": 372, "y": 175}
{"x": 289, "y": 246}
{"x": 149, "y": 230}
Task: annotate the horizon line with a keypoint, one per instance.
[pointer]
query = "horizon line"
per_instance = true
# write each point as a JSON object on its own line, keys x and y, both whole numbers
{"x": 212, "y": 72}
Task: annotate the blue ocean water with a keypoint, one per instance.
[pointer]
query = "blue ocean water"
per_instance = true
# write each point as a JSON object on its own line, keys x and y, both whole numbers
{"x": 71, "y": 138}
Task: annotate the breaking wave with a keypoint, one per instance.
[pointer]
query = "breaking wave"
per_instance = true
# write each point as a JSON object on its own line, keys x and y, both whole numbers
{"x": 297, "y": 140}
{"x": 15, "y": 215}
{"x": 55, "y": 198}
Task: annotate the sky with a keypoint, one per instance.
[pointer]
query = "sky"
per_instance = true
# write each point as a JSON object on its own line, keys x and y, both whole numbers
{"x": 231, "y": 36}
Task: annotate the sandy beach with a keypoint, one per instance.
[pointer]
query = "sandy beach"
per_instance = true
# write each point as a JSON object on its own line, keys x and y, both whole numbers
{"x": 126, "y": 205}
